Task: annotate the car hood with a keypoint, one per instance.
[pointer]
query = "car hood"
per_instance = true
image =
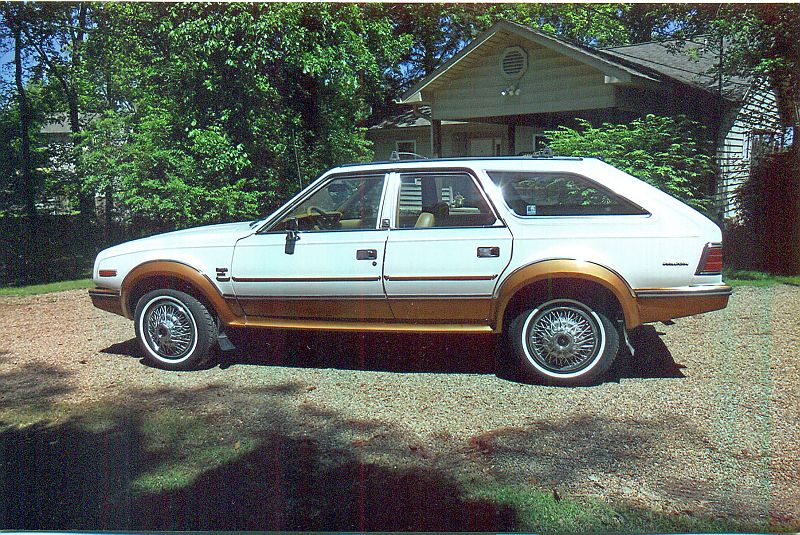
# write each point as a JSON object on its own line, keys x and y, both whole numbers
{"x": 224, "y": 235}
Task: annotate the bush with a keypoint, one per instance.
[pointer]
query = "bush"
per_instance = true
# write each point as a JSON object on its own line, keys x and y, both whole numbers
{"x": 671, "y": 154}
{"x": 769, "y": 204}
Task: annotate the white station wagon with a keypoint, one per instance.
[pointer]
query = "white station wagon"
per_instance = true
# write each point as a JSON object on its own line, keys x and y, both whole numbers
{"x": 562, "y": 255}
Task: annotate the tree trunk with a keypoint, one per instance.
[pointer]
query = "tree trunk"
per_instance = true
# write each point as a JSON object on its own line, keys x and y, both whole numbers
{"x": 29, "y": 226}
{"x": 86, "y": 205}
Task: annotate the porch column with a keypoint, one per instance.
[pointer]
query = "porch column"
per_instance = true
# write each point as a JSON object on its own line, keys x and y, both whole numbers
{"x": 436, "y": 138}
{"x": 512, "y": 140}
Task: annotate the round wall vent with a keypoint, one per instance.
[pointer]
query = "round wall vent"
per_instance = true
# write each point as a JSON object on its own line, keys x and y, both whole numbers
{"x": 513, "y": 63}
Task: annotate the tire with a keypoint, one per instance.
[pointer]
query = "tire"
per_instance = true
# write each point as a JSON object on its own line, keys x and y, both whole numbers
{"x": 175, "y": 330}
{"x": 564, "y": 342}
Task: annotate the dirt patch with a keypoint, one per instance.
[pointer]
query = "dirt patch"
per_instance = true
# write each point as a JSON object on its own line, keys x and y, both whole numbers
{"x": 703, "y": 420}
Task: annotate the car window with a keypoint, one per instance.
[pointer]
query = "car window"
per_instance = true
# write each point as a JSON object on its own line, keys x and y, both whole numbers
{"x": 558, "y": 194}
{"x": 441, "y": 200}
{"x": 348, "y": 203}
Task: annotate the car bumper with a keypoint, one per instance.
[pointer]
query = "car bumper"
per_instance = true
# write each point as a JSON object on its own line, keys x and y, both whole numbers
{"x": 662, "y": 304}
{"x": 107, "y": 299}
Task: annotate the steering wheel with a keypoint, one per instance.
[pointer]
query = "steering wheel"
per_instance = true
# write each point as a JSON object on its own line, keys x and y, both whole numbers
{"x": 329, "y": 219}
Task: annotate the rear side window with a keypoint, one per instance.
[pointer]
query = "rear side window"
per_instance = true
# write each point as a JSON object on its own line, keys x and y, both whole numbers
{"x": 559, "y": 194}
{"x": 449, "y": 200}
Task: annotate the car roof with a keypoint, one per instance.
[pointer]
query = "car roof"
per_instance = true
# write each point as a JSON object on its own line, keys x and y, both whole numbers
{"x": 471, "y": 160}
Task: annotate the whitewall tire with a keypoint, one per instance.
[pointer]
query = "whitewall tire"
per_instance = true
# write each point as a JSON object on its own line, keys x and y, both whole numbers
{"x": 564, "y": 342}
{"x": 175, "y": 331}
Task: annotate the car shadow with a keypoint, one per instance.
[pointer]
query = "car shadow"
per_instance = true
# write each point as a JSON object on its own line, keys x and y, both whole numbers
{"x": 412, "y": 353}
{"x": 395, "y": 352}
{"x": 652, "y": 358}
{"x": 407, "y": 353}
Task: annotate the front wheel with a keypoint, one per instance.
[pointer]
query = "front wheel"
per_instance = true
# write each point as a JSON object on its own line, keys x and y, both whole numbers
{"x": 174, "y": 330}
{"x": 564, "y": 342}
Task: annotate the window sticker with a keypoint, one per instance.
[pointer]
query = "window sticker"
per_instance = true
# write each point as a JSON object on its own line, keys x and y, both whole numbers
{"x": 530, "y": 209}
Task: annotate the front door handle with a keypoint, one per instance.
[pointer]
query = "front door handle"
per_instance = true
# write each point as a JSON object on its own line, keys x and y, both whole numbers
{"x": 488, "y": 252}
{"x": 366, "y": 254}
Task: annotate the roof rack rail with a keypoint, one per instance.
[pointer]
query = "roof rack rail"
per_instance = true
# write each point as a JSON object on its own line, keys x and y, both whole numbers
{"x": 397, "y": 156}
{"x": 521, "y": 156}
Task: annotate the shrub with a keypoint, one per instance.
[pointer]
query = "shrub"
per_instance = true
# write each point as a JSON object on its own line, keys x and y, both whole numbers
{"x": 669, "y": 153}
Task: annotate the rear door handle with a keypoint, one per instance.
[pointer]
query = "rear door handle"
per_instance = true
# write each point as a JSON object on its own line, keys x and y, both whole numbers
{"x": 488, "y": 252}
{"x": 366, "y": 254}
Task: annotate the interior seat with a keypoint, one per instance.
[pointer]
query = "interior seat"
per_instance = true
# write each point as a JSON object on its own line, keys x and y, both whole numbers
{"x": 425, "y": 220}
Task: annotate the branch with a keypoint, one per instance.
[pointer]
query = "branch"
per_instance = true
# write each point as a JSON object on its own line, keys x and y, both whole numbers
{"x": 49, "y": 63}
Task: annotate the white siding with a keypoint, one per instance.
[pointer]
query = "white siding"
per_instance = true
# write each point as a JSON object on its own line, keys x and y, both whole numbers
{"x": 759, "y": 112}
{"x": 552, "y": 83}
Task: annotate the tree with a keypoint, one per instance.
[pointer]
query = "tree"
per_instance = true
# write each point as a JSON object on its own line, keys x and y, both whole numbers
{"x": 222, "y": 111}
{"x": 762, "y": 40}
{"x": 55, "y": 32}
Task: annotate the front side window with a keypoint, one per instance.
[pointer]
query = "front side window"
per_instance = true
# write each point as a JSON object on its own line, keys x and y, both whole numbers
{"x": 441, "y": 200}
{"x": 558, "y": 194}
{"x": 349, "y": 203}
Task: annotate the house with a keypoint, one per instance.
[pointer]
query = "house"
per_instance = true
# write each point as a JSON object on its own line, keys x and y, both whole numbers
{"x": 500, "y": 94}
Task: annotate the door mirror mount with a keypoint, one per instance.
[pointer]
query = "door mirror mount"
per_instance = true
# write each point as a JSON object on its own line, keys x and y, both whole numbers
{"x": 292, "y": 236}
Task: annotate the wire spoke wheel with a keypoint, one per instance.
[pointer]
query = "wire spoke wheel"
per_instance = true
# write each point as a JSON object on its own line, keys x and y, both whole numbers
{"x": 175, "y": 330}
{"x": 169, "y": 328}
{"x": 563, "y": 337}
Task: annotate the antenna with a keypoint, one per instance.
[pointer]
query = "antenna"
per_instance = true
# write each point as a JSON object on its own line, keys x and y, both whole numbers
{"x": 296, "y": 158}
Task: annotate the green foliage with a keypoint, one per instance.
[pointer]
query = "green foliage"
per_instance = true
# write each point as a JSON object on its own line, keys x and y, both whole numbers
{"x": 44, "y": 181}
{"x": 668, "y": 153}
{"x": 218, "y": 106}
{"x": 762, "y": 40}
{"x": 758, "y": 278}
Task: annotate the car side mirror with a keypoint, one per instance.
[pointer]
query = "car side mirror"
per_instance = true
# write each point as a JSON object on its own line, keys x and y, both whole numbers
{"x": 292, "y": 236}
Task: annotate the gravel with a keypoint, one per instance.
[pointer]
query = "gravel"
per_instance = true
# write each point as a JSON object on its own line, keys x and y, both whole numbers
{"x": 704, "y": 419}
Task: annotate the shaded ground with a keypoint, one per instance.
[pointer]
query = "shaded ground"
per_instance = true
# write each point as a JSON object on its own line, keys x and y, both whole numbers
{"x": 331, "y": 432}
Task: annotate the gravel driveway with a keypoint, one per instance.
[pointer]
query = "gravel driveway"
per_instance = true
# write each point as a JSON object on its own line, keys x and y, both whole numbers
{"x": 703, "y": 421}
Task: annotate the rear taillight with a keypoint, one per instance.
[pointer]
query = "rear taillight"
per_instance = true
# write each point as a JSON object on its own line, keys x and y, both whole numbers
{"x": 711, "y": 261}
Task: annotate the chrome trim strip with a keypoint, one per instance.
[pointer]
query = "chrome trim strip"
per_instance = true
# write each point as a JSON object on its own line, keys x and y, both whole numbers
{"x": 698, "y": 291}
{"x": 442, "y": 278}
{"x": 306, "y": 279}
{"x": 308, "y": 297}
{"x": 355, "y": 297}
{"x": 103, "y": 292}
{"x": 377, "y": 326}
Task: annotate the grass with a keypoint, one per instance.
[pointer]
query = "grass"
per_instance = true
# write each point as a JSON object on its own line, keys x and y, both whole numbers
{"x": 539, "y": 511}
{"x": 759, "y": 279}
{"x": 46, "y": 288}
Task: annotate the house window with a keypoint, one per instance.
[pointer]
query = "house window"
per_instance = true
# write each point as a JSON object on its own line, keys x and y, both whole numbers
{"x": 485, "y": 146}
{"x": 759, "y": 143}
{"x": 406, "y": 149}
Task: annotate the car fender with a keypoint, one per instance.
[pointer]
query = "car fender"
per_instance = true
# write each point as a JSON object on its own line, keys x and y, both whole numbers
{"x": 184, "y": 272}
{"x": 563, "y": 268}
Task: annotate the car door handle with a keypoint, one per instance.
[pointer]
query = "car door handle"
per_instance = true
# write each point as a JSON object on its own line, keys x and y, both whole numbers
{"x": 488, "y": 252}
{"x": 366, "y": 254}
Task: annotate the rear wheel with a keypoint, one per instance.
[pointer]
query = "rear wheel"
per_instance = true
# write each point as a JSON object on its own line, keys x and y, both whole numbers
{"x": 564, "y": 342}
{"x": 174, "y": 330}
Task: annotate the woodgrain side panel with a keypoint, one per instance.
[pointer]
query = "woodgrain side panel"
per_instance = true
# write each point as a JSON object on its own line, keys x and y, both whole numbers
{"x": 317, "y": 308}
